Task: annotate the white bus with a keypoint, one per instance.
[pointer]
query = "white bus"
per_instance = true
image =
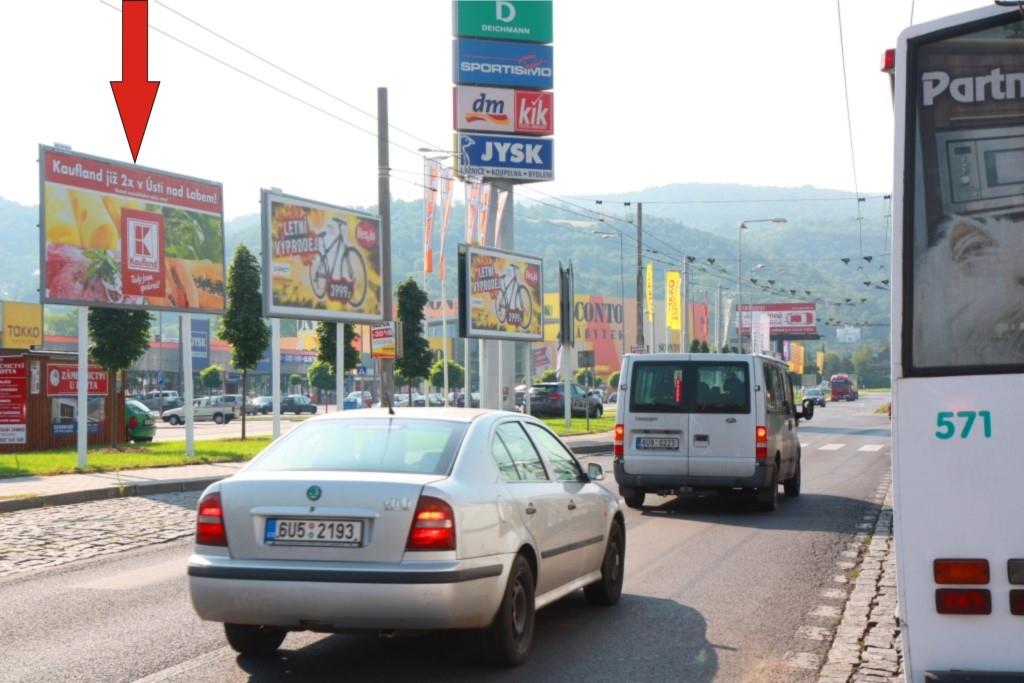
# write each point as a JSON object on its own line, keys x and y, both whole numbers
{"x": 958, "y": 346}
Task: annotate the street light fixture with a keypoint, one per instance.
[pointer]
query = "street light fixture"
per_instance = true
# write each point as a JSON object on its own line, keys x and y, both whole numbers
{"x": 622, "y": 282}
{"x": 739, "y": 271}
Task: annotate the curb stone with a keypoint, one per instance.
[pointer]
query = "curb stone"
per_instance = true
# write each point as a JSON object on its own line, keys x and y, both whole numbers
{"x": 867, "y": 647}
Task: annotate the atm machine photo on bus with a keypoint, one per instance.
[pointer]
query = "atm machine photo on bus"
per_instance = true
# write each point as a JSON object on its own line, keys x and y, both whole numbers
{"x": 958, "y": 345}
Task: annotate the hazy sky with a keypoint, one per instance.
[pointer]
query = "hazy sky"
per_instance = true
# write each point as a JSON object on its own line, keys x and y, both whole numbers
{"x": 647, "y": 92}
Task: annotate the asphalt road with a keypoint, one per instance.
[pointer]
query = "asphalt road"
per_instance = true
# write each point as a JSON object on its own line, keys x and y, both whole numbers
{"x": 714, "y": 590}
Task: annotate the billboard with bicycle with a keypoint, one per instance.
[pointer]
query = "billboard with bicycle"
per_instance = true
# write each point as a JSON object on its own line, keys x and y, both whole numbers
{"x": 501, "y": 294}
{"x": 320, "y": 261}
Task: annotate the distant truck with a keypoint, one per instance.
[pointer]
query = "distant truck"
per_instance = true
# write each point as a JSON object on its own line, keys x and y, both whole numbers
{"x": 843, "y": 388}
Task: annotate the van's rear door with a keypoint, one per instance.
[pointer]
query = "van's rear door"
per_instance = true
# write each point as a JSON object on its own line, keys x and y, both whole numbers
{"x": 656, "y": 422}
{"x": 722, "y": 421}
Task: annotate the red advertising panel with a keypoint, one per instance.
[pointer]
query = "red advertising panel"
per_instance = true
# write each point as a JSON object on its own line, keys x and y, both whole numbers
{"x": 12, "y": 400}
{"x": 121, "y": 235}
{"x": 535, "y": 113}
{"x": 793, "y": 319}
{"x": 503, "y": 110}
{"x": 62, "y": 380}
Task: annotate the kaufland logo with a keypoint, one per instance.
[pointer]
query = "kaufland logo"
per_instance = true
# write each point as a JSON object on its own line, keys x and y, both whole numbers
{"x": 534, "y": 112}
{"x": 143, "y": 247}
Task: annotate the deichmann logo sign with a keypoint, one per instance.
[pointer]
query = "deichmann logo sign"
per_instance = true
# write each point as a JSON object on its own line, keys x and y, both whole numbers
{"x": 23, "y": 325}
{"x": 505, "y": 156}
{"x": 512, "y": 65}
{"x": 501, "y": 110}
{"x": 528, "y": 21}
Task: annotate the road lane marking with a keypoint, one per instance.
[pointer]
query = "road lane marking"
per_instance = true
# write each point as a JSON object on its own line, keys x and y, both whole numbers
{"x": 831, "y": 447}
{"x": 871, "y": 447}
{"x": 186, "y": 666}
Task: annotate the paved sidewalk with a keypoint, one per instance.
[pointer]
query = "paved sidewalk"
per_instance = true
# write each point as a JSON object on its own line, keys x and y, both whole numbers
{"x": 867, "y": 647}
{"x": 21, "y": 493}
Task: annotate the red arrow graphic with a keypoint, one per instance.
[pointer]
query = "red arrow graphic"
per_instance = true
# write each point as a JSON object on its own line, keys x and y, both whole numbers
{"x": 134, "y": 93}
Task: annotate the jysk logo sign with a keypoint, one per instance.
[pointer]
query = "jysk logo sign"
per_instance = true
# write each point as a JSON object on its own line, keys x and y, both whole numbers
{"x": 500, "y": 110}
{"x": 513, "y": 65}
{"x": 527, "y": 21}
{"x": 506, "y": 156}
{"x": 200, "y": 344}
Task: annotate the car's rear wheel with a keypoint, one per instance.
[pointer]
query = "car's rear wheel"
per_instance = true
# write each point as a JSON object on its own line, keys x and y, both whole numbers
{"x": 768, "y": 495}
{"x": 609, "y": 588}
{"x": 634, "y": 498}
{"x": 218, "y": 418}
{"x": 511, "y": 634}
{"x": 256, "y": 641}
{"x": 174, "y": 420}
{"x": 792, "y": 485}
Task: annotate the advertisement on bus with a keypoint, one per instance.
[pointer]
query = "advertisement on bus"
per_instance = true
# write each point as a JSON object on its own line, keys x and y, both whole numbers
{"x": 320, "y": 261}
{"x": 124, "y": 236}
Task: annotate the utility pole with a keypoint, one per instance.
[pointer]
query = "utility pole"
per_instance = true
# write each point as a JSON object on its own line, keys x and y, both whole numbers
{"x": 387, "y": 367}
{"x": 639, "y": 274}
{"x": 718, "y": 319}
{"x": 685, "y": 342}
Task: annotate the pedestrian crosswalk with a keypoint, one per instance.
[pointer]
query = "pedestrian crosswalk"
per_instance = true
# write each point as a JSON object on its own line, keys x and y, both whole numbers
{"x": 838, "y": 446}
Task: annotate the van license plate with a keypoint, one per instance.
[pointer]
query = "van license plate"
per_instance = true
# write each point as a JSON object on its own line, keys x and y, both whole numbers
{"x": 657, "y": 443}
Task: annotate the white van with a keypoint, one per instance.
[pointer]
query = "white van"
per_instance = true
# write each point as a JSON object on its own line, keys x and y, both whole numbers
{"x": 707, "y": 421}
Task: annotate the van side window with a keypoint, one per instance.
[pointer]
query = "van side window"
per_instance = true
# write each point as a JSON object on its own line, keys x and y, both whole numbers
{"x": 775, "y": 388}
{"x": 722, "y": 388}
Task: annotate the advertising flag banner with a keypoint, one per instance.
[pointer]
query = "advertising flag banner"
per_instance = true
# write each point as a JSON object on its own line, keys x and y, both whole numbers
{"x": 502, "y": 64}
{"x": 123, "y": 236}
{"x": 700, "y": 327}
{"x": 498, "y": 213}
{"x": 821, "y": 362}
{"x": 472, "y": 188}
{"x": 431, "y": 179}
{"x": 501, "y": 294}
{"x": 320, "y": 261}
{"x": 13, "y": 393}
{"x": 649, "y": 292}
{"x": 523, "y": 20}
{"x": 447, "y": 199}
{"x": 796, "y": 358}
{"x": 511, "y": 157}
{"x": 22, "y": 325}
{"x": 673, "y": 307}
{"x": 483, "y": 212}
{"x": 761, "y": 333}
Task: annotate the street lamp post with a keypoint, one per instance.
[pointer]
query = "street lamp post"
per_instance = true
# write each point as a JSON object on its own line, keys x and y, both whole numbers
{"x": 622, "y": 283}
{"x": 739, "y": 272}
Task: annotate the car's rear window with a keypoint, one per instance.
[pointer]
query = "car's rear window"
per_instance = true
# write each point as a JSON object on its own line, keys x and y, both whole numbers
{"x": 690, "y": 387}
{"x": 395, "y": 445}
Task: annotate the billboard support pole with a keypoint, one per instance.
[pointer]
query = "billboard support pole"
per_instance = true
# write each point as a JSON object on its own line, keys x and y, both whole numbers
{"x": 444, "y": 334}
{"x": 339, "y": 368}
{"x": 83, "y": 385}
{"x": 384, "y": 208}
{"x": 639, "y": 274}
{"x": 718, "y": 319}
{"x": 686, "y": 305}
{"x": 186, "y": 376}
{"x": 275, "y": 373}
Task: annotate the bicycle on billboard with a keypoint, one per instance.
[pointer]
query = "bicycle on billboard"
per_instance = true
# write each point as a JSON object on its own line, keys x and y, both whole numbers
{"x": 513, "y": 306}
{"x": 338, "y": 269}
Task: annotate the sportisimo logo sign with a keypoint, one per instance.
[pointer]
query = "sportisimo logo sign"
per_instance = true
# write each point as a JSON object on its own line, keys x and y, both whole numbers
{"x": 491, "y": 62}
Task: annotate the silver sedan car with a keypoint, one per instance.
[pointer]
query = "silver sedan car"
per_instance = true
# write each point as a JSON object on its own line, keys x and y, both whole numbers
{"x": 422, "y": 518}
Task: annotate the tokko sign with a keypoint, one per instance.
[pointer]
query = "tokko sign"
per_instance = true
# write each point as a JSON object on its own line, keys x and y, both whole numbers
{"x": 505, "y": 156}
{"x": 501, "y": 110}
{"x": 494, "y": 62}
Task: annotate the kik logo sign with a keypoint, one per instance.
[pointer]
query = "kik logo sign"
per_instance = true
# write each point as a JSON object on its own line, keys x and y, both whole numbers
{"x": 534, "y": 113}
{"x": 506, "y": 156}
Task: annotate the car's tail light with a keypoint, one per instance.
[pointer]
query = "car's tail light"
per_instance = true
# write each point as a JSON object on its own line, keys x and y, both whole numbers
{"x": 963, "y": 601}
{"x": 133, "y": 422}
{"x": 619, "y": 443}
{"x": 555, "y": 397}
{"x": 210, "y": 521}
{"x": 972, "y": 572}
{"x": 433, "y": 526}
{"x": 761, "y": 441}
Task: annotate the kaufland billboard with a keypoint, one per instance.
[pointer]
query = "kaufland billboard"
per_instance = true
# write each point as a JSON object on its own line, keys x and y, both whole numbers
{"x": 798, "y": 320}
{"x": 503, "y": 110}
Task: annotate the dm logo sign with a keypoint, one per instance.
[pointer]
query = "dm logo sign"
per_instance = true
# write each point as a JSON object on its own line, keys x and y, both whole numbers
{"x": 506, "y": 156}
{"x": 502, "y": 64}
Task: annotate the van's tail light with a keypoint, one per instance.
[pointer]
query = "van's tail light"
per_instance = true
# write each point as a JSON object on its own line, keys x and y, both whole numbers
{"x": 889, "y": 61}
{"x": 971, "y": 572}
{"x": 210, "y": 521}
{"x": 761, "y": 441}
{"x": 433, "y": 526}
{"x": 619, "y": 443}
{"x": 963, "y": 601}
{"x": 1017, "y": 603}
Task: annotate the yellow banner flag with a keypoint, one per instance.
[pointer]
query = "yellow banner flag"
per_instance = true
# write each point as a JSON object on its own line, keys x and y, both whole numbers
{"x": 649, "y": 292}
{"x": 796, "y": 358}
{"x": 821, "y": 362}
{"x": 673, "y": 308}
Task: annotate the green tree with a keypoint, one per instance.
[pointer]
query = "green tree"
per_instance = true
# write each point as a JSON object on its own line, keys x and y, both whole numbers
{"x": 613, "y": 380}
{"x": 704, "y": 348}
{"x": 416, "y": 358}
{"x": 118, "y": 339}
{"x": 456, "y": 374}
{"x": 321, "y": 376}
{"x": 326, "y": 339}
{"x": 549, "y": 375}
{"x": 695, "y": 346}
{"x": 295, "y": 379}
{"x": 61, "y": 321}
{"x": 242, "y": 326}
{"x": 586, "y": 377}
{"x": 210, "y": 377}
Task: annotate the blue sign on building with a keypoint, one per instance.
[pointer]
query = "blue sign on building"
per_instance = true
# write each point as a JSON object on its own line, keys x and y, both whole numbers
{"x": 200, "y": 344}
{"x": 506, "y": 156}
{"x": 501, "y": 63}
